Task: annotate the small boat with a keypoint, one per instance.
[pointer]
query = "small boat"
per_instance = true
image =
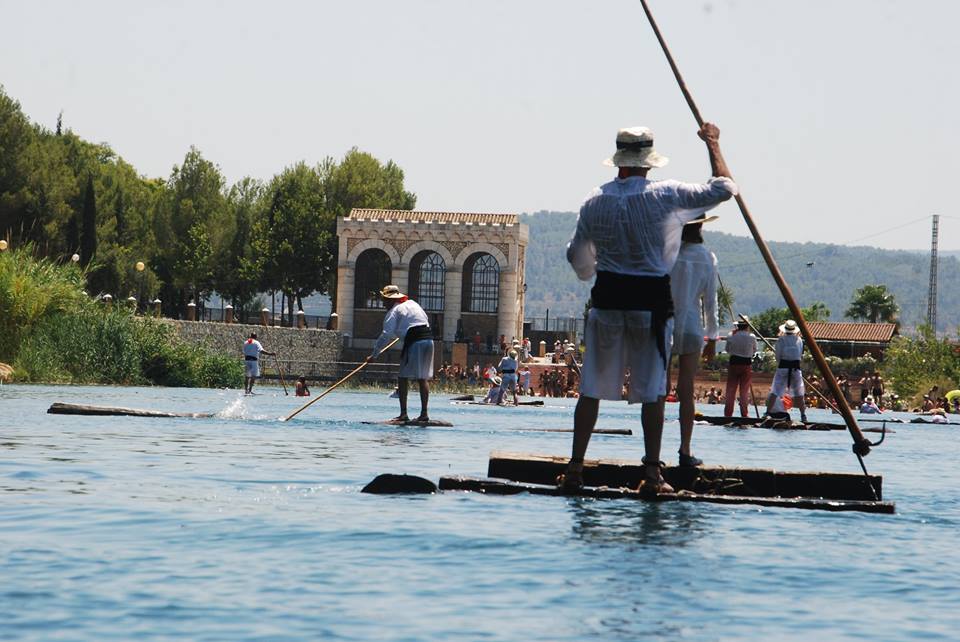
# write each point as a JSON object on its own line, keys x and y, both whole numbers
{"x": 511, "y": 473}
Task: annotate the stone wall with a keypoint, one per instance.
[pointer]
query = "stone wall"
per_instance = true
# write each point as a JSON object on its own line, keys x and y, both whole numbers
{"x": 311, "y": 353}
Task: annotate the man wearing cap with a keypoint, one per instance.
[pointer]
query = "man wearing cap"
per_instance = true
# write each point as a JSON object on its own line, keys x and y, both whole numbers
{"x": 788, "y": 378}
{"x": 693, "y": 286}
{"x": 628, "y": 236}
{"x": 407, "y": 319}
{"x": 741, "y": 346}
{"x": 252, "y": 349}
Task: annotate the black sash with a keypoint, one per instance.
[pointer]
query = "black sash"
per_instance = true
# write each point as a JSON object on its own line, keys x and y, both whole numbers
{"x": 249, "y": 358}
{"x": 790, "y": 366}
{"x": 415, "y": 333}
{"x": 740, "y": 361}
{"x": 614, "y": 291}
{"x": 509, "y": 372}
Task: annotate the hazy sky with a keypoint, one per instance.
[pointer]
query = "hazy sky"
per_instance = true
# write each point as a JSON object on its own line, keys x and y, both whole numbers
{"x": 839, "y": 117}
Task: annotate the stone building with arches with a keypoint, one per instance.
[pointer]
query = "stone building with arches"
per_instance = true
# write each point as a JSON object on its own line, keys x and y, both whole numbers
{"x": 465, "y": 269}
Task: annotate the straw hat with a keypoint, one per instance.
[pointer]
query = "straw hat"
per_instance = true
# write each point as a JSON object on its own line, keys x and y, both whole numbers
{"x": 496, "y": 380}
{"x": 570, "y": 348}
{"x": 391, "y": 292}
{"x": 743, "y": 321}
{"x": 790, "y": 327}
{"x": 635, "y": 149}
{"x": 513, "y": 354}
{"x": 703, "y": 218}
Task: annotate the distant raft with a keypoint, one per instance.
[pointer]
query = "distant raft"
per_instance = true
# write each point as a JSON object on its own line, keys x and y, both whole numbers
{"x": 777, "y": 423}
{"x": 59, "y": 408}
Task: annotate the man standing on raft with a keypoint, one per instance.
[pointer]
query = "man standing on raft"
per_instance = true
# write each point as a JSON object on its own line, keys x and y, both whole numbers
{"x": 628, "y": 235}
{"x": 252, "y": 349}
{"x": 407, "y": 319}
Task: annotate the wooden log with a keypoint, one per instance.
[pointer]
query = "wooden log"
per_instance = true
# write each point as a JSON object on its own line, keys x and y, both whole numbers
{"x": 596, "y": 431}
{"x": 500, "y": 487}
{"x": 59, "y": 408}
{"x": 543, "y": 469}
{"x": 412, "y": 423}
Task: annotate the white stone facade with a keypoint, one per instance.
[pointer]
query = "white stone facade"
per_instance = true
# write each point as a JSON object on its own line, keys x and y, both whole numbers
{"x": 455, "y": 237}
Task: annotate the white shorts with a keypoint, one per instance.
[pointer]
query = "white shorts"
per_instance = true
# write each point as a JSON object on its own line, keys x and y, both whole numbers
{"x": 417, "y": 362}
{"x": 794, "y": 387}
{"x": 616, "y": 340}
{"x": 251, "y": 368}
{"x": 688, "y": 344}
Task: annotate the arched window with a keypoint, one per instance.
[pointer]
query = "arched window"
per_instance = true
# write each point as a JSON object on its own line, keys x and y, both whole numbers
{"x": 427, "y": 276}
{"x": 481, "y": 283}
{"x": 372, "y": 273}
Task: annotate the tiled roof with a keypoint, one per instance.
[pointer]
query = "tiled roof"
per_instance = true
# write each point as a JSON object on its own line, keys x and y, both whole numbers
{"x": 872, "y": 332}
{"x": 414, "y": 216}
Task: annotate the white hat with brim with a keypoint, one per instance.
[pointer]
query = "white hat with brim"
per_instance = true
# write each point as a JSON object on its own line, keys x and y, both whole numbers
{"x": 496, "y": 381}
{"x": 703, "y": 218}
{"x": 635, "y": 149}
{"x": 391, "y": 292}
{"x": 790, "y": 327}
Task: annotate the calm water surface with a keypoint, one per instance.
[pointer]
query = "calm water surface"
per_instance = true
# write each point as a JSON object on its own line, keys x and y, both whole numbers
{"x": 246, "y": 528}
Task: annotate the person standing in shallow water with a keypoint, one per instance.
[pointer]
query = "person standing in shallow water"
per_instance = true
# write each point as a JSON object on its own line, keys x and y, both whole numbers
{"x": 252, "y": 349}
{"x": 628, "y": 236}
{"x": 407, "y": 319}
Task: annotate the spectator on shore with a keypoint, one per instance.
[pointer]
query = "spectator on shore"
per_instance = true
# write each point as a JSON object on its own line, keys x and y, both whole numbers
{"x": 869, "y": 407}
{"x": 525, "y": 376}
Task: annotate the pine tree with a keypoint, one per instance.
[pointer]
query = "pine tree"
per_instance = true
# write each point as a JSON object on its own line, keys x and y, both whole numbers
{"x": 121, "y": 218}
{"x": 88, "y": 240}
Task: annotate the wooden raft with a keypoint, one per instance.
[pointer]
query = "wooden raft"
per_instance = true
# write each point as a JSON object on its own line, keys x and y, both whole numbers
{"x": 776, "y": 424}
{"x": 59, "y": 408}
{"x": 511, "y": 473}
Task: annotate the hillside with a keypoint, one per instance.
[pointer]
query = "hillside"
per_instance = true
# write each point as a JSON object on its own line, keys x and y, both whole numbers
{"x": 835, "y": 273}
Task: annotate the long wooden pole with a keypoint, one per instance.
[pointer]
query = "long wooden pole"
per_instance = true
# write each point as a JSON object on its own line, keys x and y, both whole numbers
{"x": 334, "y": 386}
{"x": 280, "y": 372}
{"x": 861, "y": 446}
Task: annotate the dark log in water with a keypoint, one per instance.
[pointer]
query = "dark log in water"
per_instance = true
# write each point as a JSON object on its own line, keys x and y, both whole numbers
{"x": 776, "y": 424}
{"x": 500, "y": 487}
{"x": 389, "y": 484}
{"x": 58, "y": 408}
{"x": 751, "y": 482}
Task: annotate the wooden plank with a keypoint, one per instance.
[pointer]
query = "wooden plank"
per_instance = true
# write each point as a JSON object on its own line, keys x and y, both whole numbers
{"x": 715, "y": 480}
{"x": 59, "y": 408}
{"x": 500, "y": 487}
{"x": 465, "y": 402}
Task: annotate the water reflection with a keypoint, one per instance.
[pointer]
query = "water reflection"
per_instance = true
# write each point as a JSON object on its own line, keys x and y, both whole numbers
{"x": 634, "y": 522}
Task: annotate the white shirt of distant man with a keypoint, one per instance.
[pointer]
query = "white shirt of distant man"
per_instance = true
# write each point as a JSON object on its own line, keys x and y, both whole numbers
{"x": 508, "y": 371}
{"x": 251, "y": 357}
{"x": 788, "y": 351}
{"x": 408, "y": 321}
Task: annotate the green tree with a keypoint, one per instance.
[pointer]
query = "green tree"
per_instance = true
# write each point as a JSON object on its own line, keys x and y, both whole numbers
{"x": 873, "y": 303}
{"x": 724, "y": 304}
{"x": 88, "y": 218}
{"x": 237, "y": 272}
{"x": 295, "y": 241}
{"x": 768, "y": 322}
{"x": 184, "y": 225}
